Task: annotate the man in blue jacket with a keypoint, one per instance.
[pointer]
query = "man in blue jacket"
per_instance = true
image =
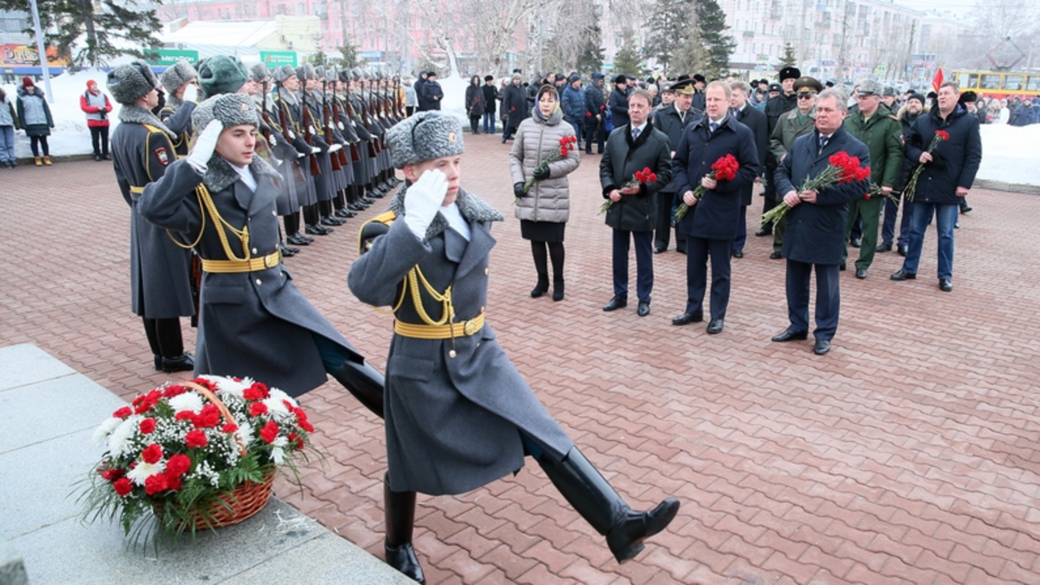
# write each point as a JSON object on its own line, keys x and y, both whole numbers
{"x": 815, "y": 236}
{"x": 948, "y": 174}
{"x": 595, "y": 114}
{"x": 573, "y": 105}
{"x": 712, "y": 222}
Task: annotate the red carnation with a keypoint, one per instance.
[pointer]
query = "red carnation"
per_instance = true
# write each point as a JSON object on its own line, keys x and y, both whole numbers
{"x": 563, "y": 152}
{"x": 206, "y": 384}
{"x": 122, "y": 486}
{"x": 195, "y": 439}
{"x": 270, "y": 432}
{"x": 295, "y": 441}
{"x": 640, "y": 177}
{"x": 155, "y": 484}
{"x": 174, "y": 390}
{"x": 257, "y": 408}
{"x": 301, "y": 416}
{"x": 179, "y": 464}
{"x": 258, "y": 391}
{"x": 147, "y": 426}
{"x": 152, "y": 453}
{"x": 942, "y": 134}
{"x": 173, "y": 482}
{"x": 111, "y": 474}
{"x": 208, "y": 418}
{"x": 185, "y": 415}
{"x": 123, "y": 412}
{"x": 229, "y": 428}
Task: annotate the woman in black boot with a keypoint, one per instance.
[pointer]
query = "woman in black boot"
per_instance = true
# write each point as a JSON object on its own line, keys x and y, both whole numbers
{"x": 544, "y": 207}
{"x": 458, "y": 413}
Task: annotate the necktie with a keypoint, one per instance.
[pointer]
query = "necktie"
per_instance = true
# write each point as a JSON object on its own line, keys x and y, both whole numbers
{"x": 635, "y": 133}
{"x": 714, "y": 127}
{"x": 823, "y": 142}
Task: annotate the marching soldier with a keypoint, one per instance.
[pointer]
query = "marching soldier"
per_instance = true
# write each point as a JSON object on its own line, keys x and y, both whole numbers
{"x": 458, "y": 414}
{"x": 142, "y": 150}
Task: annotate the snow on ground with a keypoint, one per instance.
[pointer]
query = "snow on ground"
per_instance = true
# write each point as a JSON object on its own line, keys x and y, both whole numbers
{"x": 1009, "y": 153}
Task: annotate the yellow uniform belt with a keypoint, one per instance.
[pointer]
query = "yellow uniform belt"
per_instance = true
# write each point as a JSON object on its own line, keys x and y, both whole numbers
{"x": 417, "y": 331}
{"x": 137, "y": 190}
{"x": 233, "y": 266}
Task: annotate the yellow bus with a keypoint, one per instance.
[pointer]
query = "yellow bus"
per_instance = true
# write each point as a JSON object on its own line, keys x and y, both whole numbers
{"x": 999, "y": 84}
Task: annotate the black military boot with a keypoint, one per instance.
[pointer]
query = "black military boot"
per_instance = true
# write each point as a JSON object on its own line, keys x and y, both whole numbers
{"x": 180, "y": 363}
{"x": 597, "y": 502}
{"x": 364, "y": 382}
{"x": 399, "y": 511}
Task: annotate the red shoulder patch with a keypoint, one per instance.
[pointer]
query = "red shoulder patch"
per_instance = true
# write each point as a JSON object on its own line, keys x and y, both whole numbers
{"x": 163, "y": 155}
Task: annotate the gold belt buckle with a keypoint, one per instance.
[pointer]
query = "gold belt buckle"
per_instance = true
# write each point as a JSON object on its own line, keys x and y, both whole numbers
{"x": 271, "y": 258}
{"x": 471, "y": 327}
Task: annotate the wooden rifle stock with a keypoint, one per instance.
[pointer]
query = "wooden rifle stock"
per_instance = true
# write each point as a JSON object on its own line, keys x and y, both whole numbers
{"x": 297, "y": 172}
{"x": 308, "y": 125}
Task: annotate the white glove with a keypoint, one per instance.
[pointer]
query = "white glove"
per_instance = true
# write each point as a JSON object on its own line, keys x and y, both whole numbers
{"x": 335, "y": 147}
{"x": 273, "y": 141}
{"x": 315, "y": 150}
{"x": 423, "y": 200}
{"x": 301, "y": 154}
{"x": 205, "y": 144}
{"x": 191, "y": 93}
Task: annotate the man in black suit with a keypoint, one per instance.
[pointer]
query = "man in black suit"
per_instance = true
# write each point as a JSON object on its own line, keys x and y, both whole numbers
{"x": 815, "y": 235}
{"x": 756, "y": 121}
{"x": 778, "y": 104}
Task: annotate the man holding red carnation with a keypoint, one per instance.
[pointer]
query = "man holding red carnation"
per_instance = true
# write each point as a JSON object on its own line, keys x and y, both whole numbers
{"x": 706, "y": 156}
{"x": 815, "y": 237}
{"x": 948, "y": 173}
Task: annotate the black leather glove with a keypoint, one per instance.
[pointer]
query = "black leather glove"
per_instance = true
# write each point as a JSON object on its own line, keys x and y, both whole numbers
{"x": 541, "y": 174}
{"x": 518, "y": 190}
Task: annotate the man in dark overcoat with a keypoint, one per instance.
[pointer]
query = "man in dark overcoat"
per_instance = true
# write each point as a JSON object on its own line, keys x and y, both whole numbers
{"x": 784, "y": 101}
{"x": 712, "y": 223}
{"x": 458, "y": 413}
{"x": 949, "y": 172}
{"x": 634, "y": 147}
{"x": 672, "y": 120}
{"x": 253, "y": 320}
{"x": 618, "y": 102}
{"x": 514, "y": 105}
{"x": 756, "y": 121}
{"x": 815, "y": 237}
{"x": 595, "y": 112}
{"x": 160, "y": 274}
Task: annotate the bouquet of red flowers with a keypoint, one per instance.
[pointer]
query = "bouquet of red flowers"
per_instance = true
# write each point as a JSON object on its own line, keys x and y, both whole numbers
{"x": 724, "y": 169}
{"x": 568, "y": 144}
{"x": 641, "y": 177}
{"x": 911, "y": 185}
{"x": 841, "y": 168}
{"x": 183, "y": 452}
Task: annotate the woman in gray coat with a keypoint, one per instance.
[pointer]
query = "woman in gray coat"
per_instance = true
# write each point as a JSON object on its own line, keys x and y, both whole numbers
{"x": 458, "y": 413}
{"x": 35, "y": 117}
{"x": 544, "y": 208}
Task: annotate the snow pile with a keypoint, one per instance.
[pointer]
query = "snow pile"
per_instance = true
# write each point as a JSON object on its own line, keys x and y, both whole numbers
{"x": 1009, "y": 154}
{"x": 454, "y": 101}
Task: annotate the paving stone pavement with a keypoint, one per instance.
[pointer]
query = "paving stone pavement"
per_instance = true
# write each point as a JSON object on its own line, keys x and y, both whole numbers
{"x": 906, "y": 455}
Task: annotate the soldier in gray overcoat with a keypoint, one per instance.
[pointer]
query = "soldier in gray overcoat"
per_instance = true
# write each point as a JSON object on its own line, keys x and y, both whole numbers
{"x": 458, "y": 414}
{"x": 254, "y": 321}
{"x": 180, "y": 82}
{"x": 142, "y": 150}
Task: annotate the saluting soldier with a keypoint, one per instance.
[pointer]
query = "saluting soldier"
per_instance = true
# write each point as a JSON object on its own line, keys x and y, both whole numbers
{"x": 254, "y": 322}
{"x": 142, "y": 150}
{"x": 181, "y": 91}
{"x": 458, "y": 414}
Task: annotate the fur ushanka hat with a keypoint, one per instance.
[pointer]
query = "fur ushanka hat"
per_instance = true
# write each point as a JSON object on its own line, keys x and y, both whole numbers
{"x": 231, "y": 109}
{"x": 221, "y": 74}
{"x": 424, "y": 136}
{"x": 174, "y": 77}
{"x": 129, "y": 83}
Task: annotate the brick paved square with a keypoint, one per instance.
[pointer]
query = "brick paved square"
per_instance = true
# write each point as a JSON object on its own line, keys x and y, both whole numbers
{"x": 909, "y": 452}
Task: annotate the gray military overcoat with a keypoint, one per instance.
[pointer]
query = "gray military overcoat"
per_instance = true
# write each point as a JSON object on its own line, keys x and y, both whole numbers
{"x": 453, "y": 424}
{"x": 255, "y": 324}
{"x": 160, "y": 273}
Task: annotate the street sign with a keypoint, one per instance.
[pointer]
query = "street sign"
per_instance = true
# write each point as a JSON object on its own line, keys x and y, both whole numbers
{"x": 278, "y": 58}
{"x": 169, "y": 57}
{"x": 881, "y": 69}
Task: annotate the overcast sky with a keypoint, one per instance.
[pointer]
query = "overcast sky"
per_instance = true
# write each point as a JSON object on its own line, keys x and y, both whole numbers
{"x": 961, "y": 8}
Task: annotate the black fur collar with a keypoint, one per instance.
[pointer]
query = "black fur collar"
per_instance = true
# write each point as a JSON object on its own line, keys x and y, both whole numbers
{"x": 470, "y": 206}
{"x": 132, "y": 114}
{"x": 220, "y": 175}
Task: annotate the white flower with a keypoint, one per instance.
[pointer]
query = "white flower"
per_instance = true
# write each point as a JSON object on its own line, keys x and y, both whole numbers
{"x": 144, "y": 470}
{"x": 278, "y": 450}
{"x": 280, "y": 395}
{"x": 276, "y": 406}
{"x": 231, "y": 387}
{"x": 187, "y": 401}
{"x": 245, "y": 432}
{"x": 106, "y": 428}
{"x": 119, "y": 440}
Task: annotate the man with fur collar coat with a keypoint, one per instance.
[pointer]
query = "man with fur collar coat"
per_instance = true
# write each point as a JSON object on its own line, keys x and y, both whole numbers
{"x": 160, "y": 282}
{"x": 181, "y": 84}
{"x": 253, "y": 321}
{"x": 458, "y": 413}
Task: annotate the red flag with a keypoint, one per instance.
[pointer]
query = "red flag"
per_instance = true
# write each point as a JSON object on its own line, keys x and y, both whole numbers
{"x": 937, "y": 80}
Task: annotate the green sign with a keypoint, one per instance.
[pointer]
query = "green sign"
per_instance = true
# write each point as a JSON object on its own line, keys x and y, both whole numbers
{"x": 168, "y": 57}
{"x": 278, "y": 58}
